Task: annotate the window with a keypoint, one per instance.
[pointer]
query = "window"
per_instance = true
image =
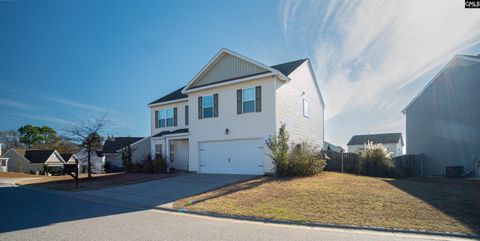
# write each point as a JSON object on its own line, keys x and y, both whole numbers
{"x": 165, "y": 117}
{"x": 158, "y": 151}
{"x": 207, "y": 106}
{"x": 305, "y": 108}
{"x": 186, "y": 115}
{"x": 172, "y": 152}
{"x": 3, "y": 162}
{"x": 248, "y": 100}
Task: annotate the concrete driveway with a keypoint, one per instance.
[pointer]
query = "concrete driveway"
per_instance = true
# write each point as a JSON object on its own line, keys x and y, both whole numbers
{"x": 162, "y": 192}
{"x": 11, "y": 181}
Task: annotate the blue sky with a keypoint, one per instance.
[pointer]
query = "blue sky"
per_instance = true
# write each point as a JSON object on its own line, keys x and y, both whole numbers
{"x": 67, "y": 61}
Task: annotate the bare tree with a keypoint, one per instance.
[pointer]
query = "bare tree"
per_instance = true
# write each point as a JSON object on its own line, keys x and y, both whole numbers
{"x": 88, "y": 135}
{"x": 10, "y": 139}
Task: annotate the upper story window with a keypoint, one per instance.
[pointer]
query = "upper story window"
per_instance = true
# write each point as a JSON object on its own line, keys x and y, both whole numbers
{"x": 166, "y": 117}
{"x": 305, "y": 108}
{"x": 208, "y": 106}
{"x": 248, "y": 100}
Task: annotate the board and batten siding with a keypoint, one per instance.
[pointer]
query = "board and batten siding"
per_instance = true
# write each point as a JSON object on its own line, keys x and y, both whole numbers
{"x": 443, "y": 122}
{"x": 255, "y": 125}
{"x": 289, "y": 107}
{"x": 228, "y": 67}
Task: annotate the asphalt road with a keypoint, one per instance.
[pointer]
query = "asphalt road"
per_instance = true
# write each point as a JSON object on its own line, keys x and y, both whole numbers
{"x": 32, "y": 215}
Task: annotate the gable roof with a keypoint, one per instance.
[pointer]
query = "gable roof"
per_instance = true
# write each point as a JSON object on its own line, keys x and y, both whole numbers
{"x": 289, "y": 67}
{"x": 463, "y": 57}
{"x": 284, "y": 68}
{"x": 376, "y": 138}
{"x": 38, "y": 156}
{"x": 175, "y": 95}
{"x": 223, "y": 52}
{"x": 112, "y": 146}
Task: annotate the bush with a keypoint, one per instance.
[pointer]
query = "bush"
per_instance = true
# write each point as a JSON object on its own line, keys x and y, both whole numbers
{"x": 148, "y": 166}
{"x": 126, "y": 154}
{"x": 159, "y": 165}
{"x": 302, "y": 160}
{"x": 376, "y": 161}
{"x": 305, "y": 160}
{"x": 278, "y": 144}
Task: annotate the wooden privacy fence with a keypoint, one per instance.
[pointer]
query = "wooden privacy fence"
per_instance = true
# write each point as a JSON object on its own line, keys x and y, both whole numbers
{"x": 403, "y": 166}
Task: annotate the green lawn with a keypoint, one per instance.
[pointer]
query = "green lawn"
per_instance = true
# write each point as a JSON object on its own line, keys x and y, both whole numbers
{"x": 435, "y": 204}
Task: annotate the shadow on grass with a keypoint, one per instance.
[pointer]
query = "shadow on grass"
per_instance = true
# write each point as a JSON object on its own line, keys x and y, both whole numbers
{"x": 458, "y": 198}
{"x": 66, "y": 183}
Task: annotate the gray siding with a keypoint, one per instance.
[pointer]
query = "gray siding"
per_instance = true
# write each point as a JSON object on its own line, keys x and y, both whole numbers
{"x": 228, "y": 67}
{"x": 141, "y": 150}
{"x": 444, "y": 122}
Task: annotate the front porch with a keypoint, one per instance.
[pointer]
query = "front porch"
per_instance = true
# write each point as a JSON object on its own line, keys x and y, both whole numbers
{"x": 173, "y": 146}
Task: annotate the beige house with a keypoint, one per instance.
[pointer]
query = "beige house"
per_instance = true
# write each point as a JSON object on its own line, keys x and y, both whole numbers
{"x": 30, "y": 161}
{"x": 220, "y": 120}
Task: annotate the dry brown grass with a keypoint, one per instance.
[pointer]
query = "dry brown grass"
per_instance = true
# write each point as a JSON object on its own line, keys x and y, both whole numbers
{"x": 15, "y": 175}
{"x": 435, "y": 204}
{"x": 98, "y": 181}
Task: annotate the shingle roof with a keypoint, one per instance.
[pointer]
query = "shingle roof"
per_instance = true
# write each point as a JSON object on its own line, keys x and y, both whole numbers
{"x": 472, "y": 56}
{"x": 112, "y": 146}
{"x": 66, "y": 156}
{"x": 178, "y": 131}
{"x": 175, "y": 95}
{"x": 288, "y": 68}
{"x": 38, "y": 156}
{"x": 376, "y": 138}
{"x": 285, "y": 68}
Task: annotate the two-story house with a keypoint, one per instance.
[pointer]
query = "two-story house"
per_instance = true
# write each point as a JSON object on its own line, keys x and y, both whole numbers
{"x": 220, "y": 120}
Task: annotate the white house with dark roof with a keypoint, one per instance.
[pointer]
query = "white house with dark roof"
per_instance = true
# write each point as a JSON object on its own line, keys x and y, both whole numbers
{"x": 219, "y": 121}
{"x": 443, "y": 120}
{"x": 392, "y": 141}
{"x": 113, "y": 146}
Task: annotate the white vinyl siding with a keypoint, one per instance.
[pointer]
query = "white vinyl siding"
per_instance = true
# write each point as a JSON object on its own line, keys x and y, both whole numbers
{"x": 289, "y": 107}
{"x": 155, "y": 128}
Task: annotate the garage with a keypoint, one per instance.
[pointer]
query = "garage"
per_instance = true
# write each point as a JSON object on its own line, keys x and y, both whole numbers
{"x": 245, "y": 156}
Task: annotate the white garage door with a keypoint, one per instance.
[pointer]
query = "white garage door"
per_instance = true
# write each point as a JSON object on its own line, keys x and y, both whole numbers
{"x": 232, "y": 157}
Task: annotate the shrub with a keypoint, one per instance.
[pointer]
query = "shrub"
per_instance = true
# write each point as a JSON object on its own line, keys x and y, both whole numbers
{"x": 376, "y": 161}
{"x": 159, "y": 165}
{"x": 148, "y": 166}
{"x": 127, "y": 154}
{"x": 305, "y": 160}
{"x": 278, "y": 144}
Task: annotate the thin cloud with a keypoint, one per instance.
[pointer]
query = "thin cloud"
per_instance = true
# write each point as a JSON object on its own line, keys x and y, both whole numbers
{"x": 41, "y": 118}
{"x": 368, "y": 52}
{"x": 75, "y": 104}
{"x": 15, "y": 104}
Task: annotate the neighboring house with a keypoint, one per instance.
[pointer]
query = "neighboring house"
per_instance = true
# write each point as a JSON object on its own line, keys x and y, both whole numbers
{"x": 113, "y": 146}
{"x": 97, "y": 161}
{"x": 219, "y": 121}
{"x": 30, "y": 161}
{"x": 69, "y": 158}
{"x": 393, "y": 142}
{"x": 330, "y": 147}
{"x": 3, "y": 161}
{"x": 141, "y": 149}
{"x": 443, "y": 120}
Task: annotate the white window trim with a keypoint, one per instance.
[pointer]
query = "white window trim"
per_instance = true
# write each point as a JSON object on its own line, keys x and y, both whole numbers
{"x": 306, "y": 108}
{"x": 205, "y": 107}
{"x": 166, "y": 117}
{"x": 254, "y": 100}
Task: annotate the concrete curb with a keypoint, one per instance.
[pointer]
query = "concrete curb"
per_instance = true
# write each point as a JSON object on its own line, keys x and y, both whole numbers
{"x": 322, "y": 225}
